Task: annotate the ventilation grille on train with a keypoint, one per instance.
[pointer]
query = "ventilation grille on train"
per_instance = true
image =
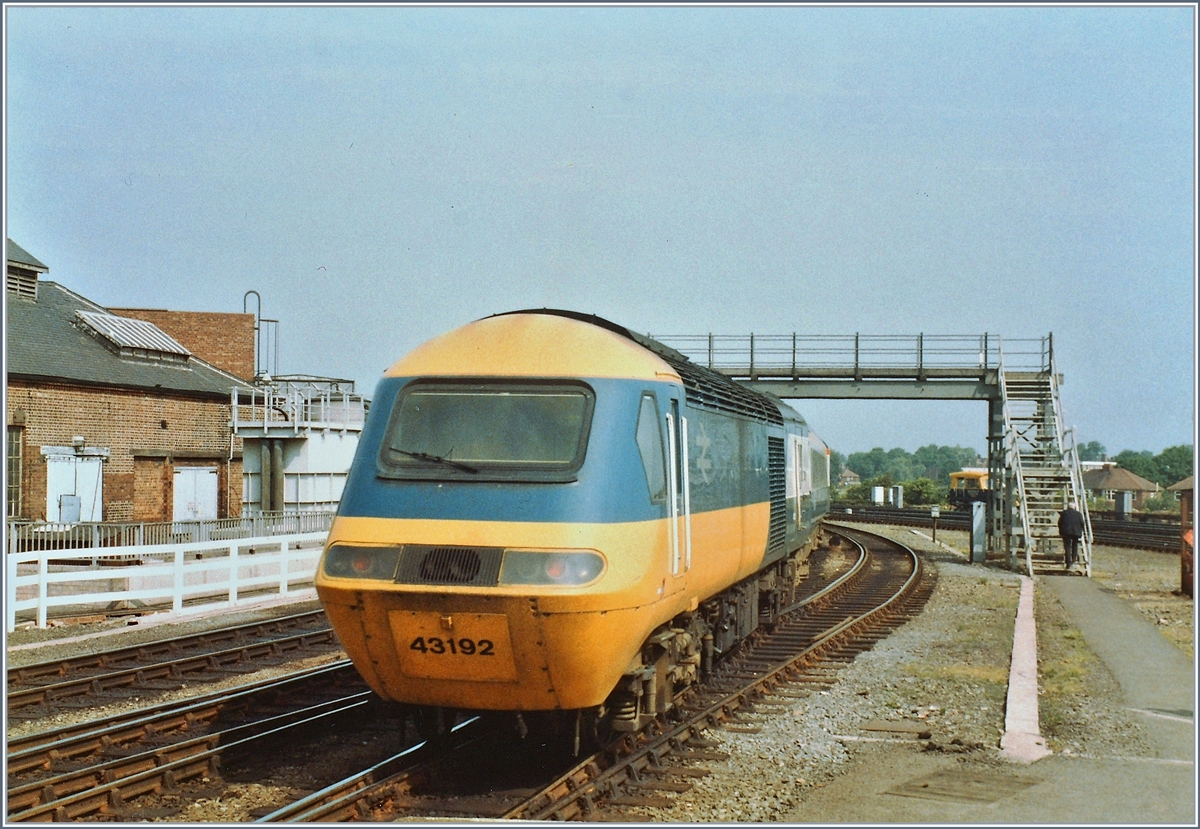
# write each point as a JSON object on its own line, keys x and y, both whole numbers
{"x": 474, "y": 566}
{"x": 777, "y": 484}
{"x": 707, "y": 389}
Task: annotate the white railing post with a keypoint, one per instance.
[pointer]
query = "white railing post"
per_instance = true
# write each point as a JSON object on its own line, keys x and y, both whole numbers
{"x": 233, "y": 572}
{"x": 177, "y": 590}
{"x": 43, "y": 573}
{"x": 283, "y": 567}
{"x": 10, "y": 589}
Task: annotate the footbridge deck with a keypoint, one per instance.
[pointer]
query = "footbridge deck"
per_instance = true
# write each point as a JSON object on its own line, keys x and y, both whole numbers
{"x": 1033, "y": 462}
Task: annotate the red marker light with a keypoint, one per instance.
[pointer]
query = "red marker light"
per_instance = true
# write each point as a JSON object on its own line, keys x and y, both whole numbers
{"x": 361, "y": 562}
{"x": 556, "y": 567}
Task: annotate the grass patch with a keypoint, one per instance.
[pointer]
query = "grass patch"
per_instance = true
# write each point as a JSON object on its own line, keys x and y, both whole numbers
{"x": 1066, "y": 666}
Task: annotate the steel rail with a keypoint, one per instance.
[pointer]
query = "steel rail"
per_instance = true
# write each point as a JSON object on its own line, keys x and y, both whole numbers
{"x": 105, "y": 788}
{"x": 71, "y": 742}
{"x": 108, "y": 658}
{"x": 346, "y": 799}
{"x": 578, "y": 792}
{"x": 171, "y": 673}
{"x": 359, "y": 797}
{"x": 1108, "y": 532}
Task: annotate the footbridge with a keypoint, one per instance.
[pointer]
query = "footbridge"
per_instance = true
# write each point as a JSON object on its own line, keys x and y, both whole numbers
{"x": 1033, "y": 462}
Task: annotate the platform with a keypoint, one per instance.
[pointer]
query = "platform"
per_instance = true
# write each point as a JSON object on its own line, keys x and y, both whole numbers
{"x": 891, "y": 785}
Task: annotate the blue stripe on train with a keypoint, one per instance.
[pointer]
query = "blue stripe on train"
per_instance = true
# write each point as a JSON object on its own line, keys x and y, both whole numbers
{"x": 611, "y": 485}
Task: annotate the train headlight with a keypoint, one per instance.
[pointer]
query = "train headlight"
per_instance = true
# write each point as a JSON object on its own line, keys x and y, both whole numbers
{"x": 347, "y": 561}
{"x": 561, "y": 568}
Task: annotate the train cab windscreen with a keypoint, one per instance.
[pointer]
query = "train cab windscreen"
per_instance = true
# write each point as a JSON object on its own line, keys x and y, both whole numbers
{"x": 487, "y": 431}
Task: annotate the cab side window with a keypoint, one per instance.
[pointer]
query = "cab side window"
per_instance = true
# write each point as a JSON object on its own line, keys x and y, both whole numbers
{"x": 650, "y": 444}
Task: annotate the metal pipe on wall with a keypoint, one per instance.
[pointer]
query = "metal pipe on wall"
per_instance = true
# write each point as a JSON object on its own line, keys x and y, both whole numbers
{"x": 264, "y": 477}
{"x": 277, "y": 475}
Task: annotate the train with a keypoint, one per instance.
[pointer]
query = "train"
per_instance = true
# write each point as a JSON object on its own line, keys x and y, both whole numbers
{"x": 967, "y": 486}
{"x": 552, "y": 516}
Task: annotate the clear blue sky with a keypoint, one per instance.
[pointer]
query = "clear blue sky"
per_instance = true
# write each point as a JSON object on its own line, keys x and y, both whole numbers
{"x": 381, "y": 175}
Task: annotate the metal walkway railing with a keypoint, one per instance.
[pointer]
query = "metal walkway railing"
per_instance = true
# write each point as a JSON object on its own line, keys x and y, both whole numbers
{"x": 25, "y": 536}
{"x": 854, "y": 355}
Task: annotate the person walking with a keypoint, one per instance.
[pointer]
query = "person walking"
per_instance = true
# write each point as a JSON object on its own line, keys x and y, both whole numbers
{"x": 1070, "y": 527}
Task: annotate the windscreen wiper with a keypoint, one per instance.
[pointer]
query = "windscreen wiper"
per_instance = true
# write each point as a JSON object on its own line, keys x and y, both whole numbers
{"x": 425, "y": 456}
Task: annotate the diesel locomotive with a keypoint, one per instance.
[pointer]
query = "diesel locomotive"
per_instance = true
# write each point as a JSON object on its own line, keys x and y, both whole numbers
{"x": 550, "y": 513}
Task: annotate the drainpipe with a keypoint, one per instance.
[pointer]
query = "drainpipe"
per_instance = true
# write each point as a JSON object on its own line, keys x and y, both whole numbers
{"x": 264, "y": 489}
{"x": 277, "y": 475}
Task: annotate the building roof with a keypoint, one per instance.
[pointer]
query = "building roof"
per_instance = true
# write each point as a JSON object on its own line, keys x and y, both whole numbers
{"x": 46, "y": 340}
{"x": 1117, "y": 479}
{"x": 1183, "y": 485}
{"x": 18, "y": 254}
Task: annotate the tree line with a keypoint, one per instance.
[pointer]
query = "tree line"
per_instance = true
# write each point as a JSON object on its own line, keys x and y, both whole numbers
{"x": 1170, "y": 466}
{"x": 925, "y": 474}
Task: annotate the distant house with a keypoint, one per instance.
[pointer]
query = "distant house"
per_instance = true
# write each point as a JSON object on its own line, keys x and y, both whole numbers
{"x": 1111, "y": 479}
{"x": 848, "y": 478}
{"x": 110, "y": 418}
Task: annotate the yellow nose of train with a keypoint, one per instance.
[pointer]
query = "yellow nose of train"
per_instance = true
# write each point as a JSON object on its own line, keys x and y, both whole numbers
{"x": 527, "y": 505}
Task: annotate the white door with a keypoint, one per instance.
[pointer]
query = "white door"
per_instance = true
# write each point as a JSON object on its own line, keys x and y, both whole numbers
{"x": 679, "y": 491}
{"x": 195, "y": 493}
{"x": 69, "y": 475}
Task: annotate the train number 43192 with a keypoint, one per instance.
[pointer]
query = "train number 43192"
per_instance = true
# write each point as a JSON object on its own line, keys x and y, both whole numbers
{"x": 464, "y": 646}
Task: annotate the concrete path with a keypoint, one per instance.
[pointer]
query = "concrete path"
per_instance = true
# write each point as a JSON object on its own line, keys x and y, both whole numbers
{"x": 899, "y": 784}
{"x": 1157, "y": 679}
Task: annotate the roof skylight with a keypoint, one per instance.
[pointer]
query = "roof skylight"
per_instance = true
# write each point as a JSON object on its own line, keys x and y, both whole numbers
{"x": 132, "y": 337}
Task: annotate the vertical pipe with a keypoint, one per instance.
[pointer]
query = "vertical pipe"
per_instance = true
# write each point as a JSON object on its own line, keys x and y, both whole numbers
{"x": 277, "y": 475}
{"x": 264, "y": 476}
{"x": 751, "y": 356}
{"x": 857, "y": 372}
{"x": 710, "y": 350}
{"x": 793, "y": 355}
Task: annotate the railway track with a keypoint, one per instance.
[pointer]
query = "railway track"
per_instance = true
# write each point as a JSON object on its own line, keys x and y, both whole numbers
{"x": 1133, "y": 534}
{"x": 494, "y": 776}
{"x": 92, "y": 770}
{"x": 91, "y": 679}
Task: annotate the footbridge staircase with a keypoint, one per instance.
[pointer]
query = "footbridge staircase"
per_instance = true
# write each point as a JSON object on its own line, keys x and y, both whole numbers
{"x": 1040, "y": 464}
{"x": 1033, "y": 462}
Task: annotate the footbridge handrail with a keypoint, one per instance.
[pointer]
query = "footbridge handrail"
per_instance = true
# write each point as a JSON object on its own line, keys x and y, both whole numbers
{"x": 798, "y": 355}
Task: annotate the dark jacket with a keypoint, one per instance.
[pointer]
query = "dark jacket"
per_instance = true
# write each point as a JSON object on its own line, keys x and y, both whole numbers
{"x": 1070, "y": 523}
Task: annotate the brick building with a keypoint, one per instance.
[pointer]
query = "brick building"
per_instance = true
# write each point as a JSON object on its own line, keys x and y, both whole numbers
{"x": 224, "y": 340}
{"x": 111, "y": 419}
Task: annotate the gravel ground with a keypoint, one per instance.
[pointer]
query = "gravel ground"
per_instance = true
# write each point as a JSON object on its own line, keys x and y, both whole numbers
{"x": 1150, "y": 582}
{"x": 944, "y": 673}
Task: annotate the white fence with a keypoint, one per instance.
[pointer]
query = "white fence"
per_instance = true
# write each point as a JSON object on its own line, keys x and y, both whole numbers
{"x": 181, "y": 578}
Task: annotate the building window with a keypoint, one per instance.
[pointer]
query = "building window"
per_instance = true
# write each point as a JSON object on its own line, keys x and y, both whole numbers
{"x": 15, "y": 447}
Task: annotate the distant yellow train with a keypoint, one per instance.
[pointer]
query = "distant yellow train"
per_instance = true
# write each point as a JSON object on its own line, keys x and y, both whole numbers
{"x": 550, "y": 513}
{"x": 968, "y": 485}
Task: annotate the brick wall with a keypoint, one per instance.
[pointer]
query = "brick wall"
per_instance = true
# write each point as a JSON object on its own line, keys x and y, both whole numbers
{"x": 225, "y": 340}
{"x": 147, "y": 436}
